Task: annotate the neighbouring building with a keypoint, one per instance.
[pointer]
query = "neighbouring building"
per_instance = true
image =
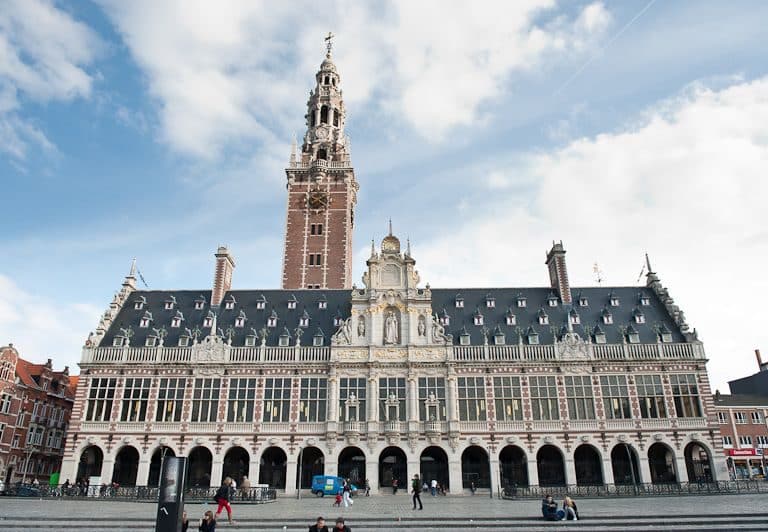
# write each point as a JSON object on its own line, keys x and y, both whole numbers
{"x": 534, "y": 386}
{"x": 35, "y": 407}
{"x": 743, "y": 418}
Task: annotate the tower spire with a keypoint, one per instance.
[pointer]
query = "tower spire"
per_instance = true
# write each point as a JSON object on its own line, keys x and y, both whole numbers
{"x": 329, "y": 43}
{"x": 390, "y": 227}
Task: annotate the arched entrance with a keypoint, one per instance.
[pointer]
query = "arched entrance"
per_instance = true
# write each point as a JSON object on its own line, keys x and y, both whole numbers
{"x": 434, "y": 465}
{"x": 156, "y": 464}
{"x": 352, "y": 465}
{"x": 272, "y": 468}
{"x": 90, "y": 463}
{"x": 698, "y": 463}
{"x": 312, "y": 463}
{"x": 661, "y": 461}
{"x": 475, "y": 467}
{"x": 126, "y": 466}
{"x": 589, "y": 466}
{"x": 625, "y": 467}
{"x": 199, "y": 468}
{"x": 236, "y": 463}
{"x": 393, "y": 464}
{"x": 513, "y": 466}
{"x": 549, "y": 463}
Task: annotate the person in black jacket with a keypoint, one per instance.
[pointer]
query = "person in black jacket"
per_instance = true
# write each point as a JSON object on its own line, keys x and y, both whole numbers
{"x": 222, "y": 498}
{"x": 207, "y": 523}
{"x": 319, "y": 526}
{"x": 549, "y": 508}
{"x": 184, "y": 522}
{"x": 340, "y": 526}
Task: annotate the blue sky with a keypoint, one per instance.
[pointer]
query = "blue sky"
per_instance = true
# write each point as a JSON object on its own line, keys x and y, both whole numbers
{"x": 485, "y": 130}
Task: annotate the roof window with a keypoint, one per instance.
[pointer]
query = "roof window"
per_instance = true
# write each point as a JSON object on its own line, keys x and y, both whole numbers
{"x": 499, "y": 338}
{"x": 613, "y": 299}
{"x": 464, "y": 338}
{"x": 241, "y": 319}
{"x": 292, "y": 302}
{"x": 543, "y": 318}
{"x": 522, "y": 302}
{"x": 533, "y": 336}
{"x": 304, "y": 320}
{"x": 139, "y": 303}
{"x": 645, "y": 301}
{"x": 322, "y": 303}
{"x": 478, "y": 317}
{"x": 511, "y": 319}
{"x": 607, "y": 316}
{"x": 177, "y": 319}
{"x": 229, "y": 304}
{"x": 145, "y": 320}
{"x": 285, "y": 338}
{"x": 574, "y": 317}
{"x": 632, "y": 335}
{"x": 638, "y": 315}
{"x": 170, "y": 303}
{"x": 459, "y": 301}
{"x": 200, "y": 302}
{"x": 552, "y": 299}
{"x": 272, "y": 319}
{"x": 490, "y": 301}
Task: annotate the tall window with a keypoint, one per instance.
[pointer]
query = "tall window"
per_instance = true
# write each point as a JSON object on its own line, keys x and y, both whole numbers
{"x": 509, "y": 404}
{"x": 740, "y": 418}
{"x": 757, "y": 417}
{"x": 135, "y": 399}
{"x": 347, "y": 387}
{"x": 170, "y": 399}
{"x": 394, "y": 386}
{"x": 543, "y": 391}
{"x": 277, "y": 400}
{"x": 472, "y": 399}
{"x": 685, "y": 392}
{"x": 650, "y": 395}
{"x": 615, "y": 397}
{"x": 205, "y": 400}
{"x": 242, "y": 394}
{"x": 432, "y": 399}
{"x": 100, "y": 398}
{"x": 581, "y": 400}
{"x": 314, "y": 393}
{"x": 5, "y": 404}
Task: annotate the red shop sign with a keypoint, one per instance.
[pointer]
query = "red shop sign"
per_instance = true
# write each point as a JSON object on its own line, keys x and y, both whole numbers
{"x": 742, "y": 452}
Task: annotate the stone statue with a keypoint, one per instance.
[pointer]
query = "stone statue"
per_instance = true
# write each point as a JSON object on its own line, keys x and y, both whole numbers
{"x": 361, "y": 326}
{"x": 390, "y": 328}
{"x": 438, "y": 332}
{"x": 343, "y": 336}
{"x": 422, "y": 327}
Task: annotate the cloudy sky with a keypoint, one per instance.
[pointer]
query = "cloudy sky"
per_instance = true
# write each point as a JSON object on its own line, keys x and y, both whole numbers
{"x": 485, "y": 130}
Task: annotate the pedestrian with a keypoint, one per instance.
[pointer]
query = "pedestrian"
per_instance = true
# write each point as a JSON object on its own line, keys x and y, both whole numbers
{"x": 367, "y": 488}
{"x": 347, "y": 494}
{"x": 394, "y": 486}
{"x": 472, "y": 487}
{"x": 433, "y": 488}
{"x": 222, "y": 498}
{"x": 184, "y": 522}
{"x": 207, "y": 523}
{"x": 338, "y": 499}
{"x": 340, "y": 526}
{"x": 35, "y": 482}
{"x": 245, "y": 489}
{"x": 569, "y": 507}
{"x": 319, "y": 526}
{"x": 549, "y": 508}
{"x": 416, "y": 488}
{"x": 425, "y": 487}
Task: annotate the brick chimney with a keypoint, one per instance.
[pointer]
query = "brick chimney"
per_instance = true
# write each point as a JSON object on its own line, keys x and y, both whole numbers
{"x": 558, "y": 273}
{"x": 762, "y": 366}
{"x": 222, "y": 277}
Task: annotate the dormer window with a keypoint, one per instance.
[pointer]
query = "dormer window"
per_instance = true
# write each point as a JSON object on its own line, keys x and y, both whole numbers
{"x": 184, "y": 341}
{"x": 478, "y": 318}
{"x": 338, "y": 319}
{"x": 533, "y": 336}
{"x": 639, "y": 316}
{"x": 632, "y": 335}
{"x": 511, "y": 318}
{"x": 322, "y": 303}
{"x": 444, "y": 319}
{"x": 261, "y": 302}
{"x": 607, "y": 317}
{"x": 240, "y": 320}
{"x": 177, "y": 319}
{"x": 250, "y": 340}
{"x": 575, "y": 318}
{"x": 599, "y": 336}
{"x": 139, "y": 303}
{"x": 552, "y": 300}
{"x": 665, "y": 334}
{"x": 151, "y": 341}
{"x": 318, "y": 340}
{"x": 200, "y": 303}
{"x": 145, "y": 320}
{"x": 645, "y": 300}
{"x": 522, "y": 302}
{"x": 292, "y": 302}
{"x": 229, "y": 304}
{"x": 285, "y": 338}
{"x": 118, "y": 341}
{"x": 459, "y": 301}
{"x": 170, "y": 303}
{"x": 272, "y": 319}
{"x": 583, "y": 301}
{"x": 490, "y": 302}
{"x": 464, "y": 338}
{"x": 304, "y": 320}
{"x": 498, "y": 336}
{"x": 613, "y": 300}
{"x": 543, "y": 318}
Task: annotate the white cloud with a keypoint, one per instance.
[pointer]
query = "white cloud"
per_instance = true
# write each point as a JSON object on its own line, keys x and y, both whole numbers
{"x": 43, "y": 56}
{"x": 41, "y": 328}
{"x": 225, "y": 73}
{"x": 687, "y": 184}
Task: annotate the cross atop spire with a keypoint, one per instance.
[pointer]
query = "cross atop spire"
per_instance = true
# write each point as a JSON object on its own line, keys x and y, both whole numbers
{"x": 390, "y": 227}
{"x": 329, "y": 42}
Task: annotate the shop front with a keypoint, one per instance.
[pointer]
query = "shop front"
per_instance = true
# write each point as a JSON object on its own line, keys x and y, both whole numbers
{"x": 746, "y": 463}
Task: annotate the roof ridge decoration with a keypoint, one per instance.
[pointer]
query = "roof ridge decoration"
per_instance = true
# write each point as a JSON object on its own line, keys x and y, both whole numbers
{"x": 653, "y": 282}
{"x": 119, "y": 299}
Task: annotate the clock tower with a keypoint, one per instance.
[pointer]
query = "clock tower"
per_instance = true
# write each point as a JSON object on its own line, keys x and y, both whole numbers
{"x": 322, "y": 192}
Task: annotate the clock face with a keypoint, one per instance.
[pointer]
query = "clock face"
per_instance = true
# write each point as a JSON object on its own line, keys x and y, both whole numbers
{"x": 317, "y": 199}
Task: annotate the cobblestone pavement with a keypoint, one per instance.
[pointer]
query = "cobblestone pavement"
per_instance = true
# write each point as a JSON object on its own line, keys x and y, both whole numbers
{"x": 137, "y": 516}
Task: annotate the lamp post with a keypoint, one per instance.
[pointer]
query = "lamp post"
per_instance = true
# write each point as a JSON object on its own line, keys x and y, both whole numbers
{"x": 298, "y": 490}
{"x": 28, "y": 450}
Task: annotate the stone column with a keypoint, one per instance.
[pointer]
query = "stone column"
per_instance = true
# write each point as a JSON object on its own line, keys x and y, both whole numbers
{"x": 107, "y": 468}
{"x": 681, "y": 470}
{"x": 142, "y": 476}
{"x": 607, "y": 470}
{"x": 290, "y": 475}
{"x": 413, "y": 399}
{"x": 570, "y": 470}
{"x": 217, "y": 470}
{"x": 495, "y": 475}
{"x": 69, "y": 469}
{"x": 373, "y": 398}
{"x": 645, "y": 469}
{"x": 454, "y": 473}
{"x": 331, "y": 465}
{"x": 533, "y": 471}
{"x": 414, "y": 468}
{"x": 452, "y": 398}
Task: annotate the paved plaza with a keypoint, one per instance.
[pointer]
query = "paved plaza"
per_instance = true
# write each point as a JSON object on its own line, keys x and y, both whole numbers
{"x": 395, "y": 513}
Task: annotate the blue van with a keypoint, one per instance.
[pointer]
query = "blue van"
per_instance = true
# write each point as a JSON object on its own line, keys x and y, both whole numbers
{"x": 326, "y": 485}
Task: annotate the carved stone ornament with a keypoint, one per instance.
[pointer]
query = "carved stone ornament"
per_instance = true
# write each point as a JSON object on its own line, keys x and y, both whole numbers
{"x": 572, "y": 347}
{"x": 695, "y": 436}
{"x": 126, "y": 439}
{"x": 658, "y": 437}
{"x": 433, "y": 437}
{"x": 353, "y": 438}
{"x": 343, "y": 335}
{"x": 236, "y": 441}
{"x": 474, "y": 440}
{"x": 311, "y": 441}
{"x": 585, "y": 438}
{"x": 163, "y": 440}
{"x": 391, "y": 354}
{"x": 273, "y": 440}
{"x": 91, "y": 440}
{"x": 209, "y": 371}
{"x": 511, "y": 439}
{"x": 352, "y": 355}
{"x": 622, "y": 438}
{"x": 393, "y": 438}
{"x": 212, "y": 349}
{"x": 199, "y": 440}
{"x": 548, "y": 439}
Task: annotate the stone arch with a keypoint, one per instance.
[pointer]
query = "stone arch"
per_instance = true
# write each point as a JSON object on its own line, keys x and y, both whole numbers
{"x": 661, "y": 461}
{"x": 624, "y": 461}
{"x": 475, "y": 467}
{"x": 312, "y": 463}
{"x": 551, "y": 466}
{"x": 126, "y": 466}
{"x": 91, "y": 461}
{"x": 434, "y": 465}
{"x": 589, "y": 465}
{"x": 272, "y": 467}
{"x": 513, "y": 466}
{"x": 156, "y": 463}
{"x": 698, "y": 462}
{"x": 393, "y": 464}
{"x": 352, "y": 464}
{"x": 237, "y": 462}
{"x": 200, "y": 463}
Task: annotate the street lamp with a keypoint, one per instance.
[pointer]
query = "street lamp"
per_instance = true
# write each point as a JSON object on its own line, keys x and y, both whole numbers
{"x": 298, "y": 491}
{"x": 28, "y": 450}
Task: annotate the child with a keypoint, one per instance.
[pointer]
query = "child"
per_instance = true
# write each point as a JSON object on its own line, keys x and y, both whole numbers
{"x": 337, "y": 502}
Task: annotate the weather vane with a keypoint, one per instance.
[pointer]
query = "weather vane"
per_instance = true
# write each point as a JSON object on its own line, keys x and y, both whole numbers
{"x": 329, "y": 42}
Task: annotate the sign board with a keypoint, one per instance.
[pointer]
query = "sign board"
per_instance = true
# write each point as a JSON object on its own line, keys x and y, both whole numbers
{"x": 742, "y": 452}
{"x": 170, "y": 504}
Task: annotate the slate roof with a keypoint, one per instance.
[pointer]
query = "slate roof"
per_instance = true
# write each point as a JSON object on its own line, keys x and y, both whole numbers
{"x": 741, "y": 400}
{"x": 338, "y": 303}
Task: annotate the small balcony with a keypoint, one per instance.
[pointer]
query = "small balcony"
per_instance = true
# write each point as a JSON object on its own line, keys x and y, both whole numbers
{"x": 433, "y": 427}
{"x": 393, "y": 427}
{"x": 353, "y": 428}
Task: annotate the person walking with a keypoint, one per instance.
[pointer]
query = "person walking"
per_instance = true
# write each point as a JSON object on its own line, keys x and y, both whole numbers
{"x": 367, "y": 488}
{"x": 472, "y": 487}
{"x": 245, "y": 489}
{"x": 394, "y": 486}
{"x": 184, "y": 522}
{"x": 433, "y": 487}
{"x": 319, "y": 526}
{"x": 222, "y": 498}
{"x": 346, "y": 495}
{"x": 416, "y": 489}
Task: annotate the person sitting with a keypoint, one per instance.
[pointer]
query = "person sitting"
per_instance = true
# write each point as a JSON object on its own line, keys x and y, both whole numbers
{"x": 207, "y": 523}
{"x": 319, "y": 526}
{"x": 340, "y": 526}
{"x": 549, "y": 508}
{"x": 569, "y": 507}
